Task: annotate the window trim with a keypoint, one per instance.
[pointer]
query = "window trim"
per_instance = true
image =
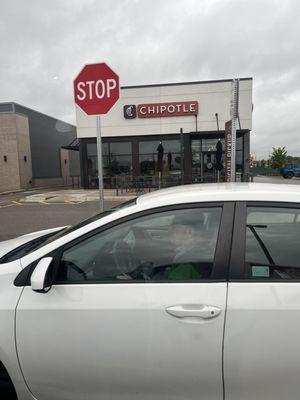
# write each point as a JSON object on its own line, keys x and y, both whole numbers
{"x": 222, "y": 251}
{"x": 237, "y": 259}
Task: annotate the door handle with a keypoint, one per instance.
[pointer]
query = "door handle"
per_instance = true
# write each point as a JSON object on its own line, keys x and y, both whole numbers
{"x": 194, "y": 310}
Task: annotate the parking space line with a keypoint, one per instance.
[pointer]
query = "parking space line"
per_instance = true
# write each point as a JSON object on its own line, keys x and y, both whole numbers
{"x": 74, "y": 202}
{"x": 11, "y": 203}
{"x": 16, "y": 202}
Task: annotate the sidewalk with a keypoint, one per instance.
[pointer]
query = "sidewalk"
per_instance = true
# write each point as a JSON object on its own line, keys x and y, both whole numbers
{"x": 75, "y": 196}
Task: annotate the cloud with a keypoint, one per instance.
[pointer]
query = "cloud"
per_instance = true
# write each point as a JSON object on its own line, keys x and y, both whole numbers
{"x": 44, "y": 45}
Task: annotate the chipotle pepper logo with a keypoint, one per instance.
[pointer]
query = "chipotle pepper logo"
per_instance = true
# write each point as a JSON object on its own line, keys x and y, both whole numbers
{"x": 129, "y": 111}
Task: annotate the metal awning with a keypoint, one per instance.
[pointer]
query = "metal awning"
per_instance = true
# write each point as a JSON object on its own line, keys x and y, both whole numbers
{"x": 74, "y": 145}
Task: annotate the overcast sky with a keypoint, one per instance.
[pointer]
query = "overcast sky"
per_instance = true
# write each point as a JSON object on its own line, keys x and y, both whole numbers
{"x": 45, "y": 43}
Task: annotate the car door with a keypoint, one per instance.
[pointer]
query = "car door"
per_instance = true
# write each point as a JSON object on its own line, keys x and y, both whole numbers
{"x": 136, "y": 310}
{"x": 261, "y": 344}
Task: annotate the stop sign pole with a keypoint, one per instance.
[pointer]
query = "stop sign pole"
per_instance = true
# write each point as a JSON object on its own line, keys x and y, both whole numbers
{"x": 100, "y": 163}
{"x": 96, "y": 90}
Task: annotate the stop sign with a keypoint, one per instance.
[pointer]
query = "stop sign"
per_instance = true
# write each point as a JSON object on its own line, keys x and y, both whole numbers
{"x": 96, "y": 89}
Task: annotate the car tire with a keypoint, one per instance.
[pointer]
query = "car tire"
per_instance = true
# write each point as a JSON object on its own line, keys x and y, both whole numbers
{"x": 7, "y": 390}
{"x": 289, "y": 175}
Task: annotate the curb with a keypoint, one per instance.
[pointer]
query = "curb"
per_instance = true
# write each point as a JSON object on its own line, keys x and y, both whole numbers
{"x": 32, "y": 189}
{"x": 118, "y": 199}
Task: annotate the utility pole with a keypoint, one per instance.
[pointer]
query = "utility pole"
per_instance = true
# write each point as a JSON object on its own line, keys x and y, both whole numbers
{"x": 181, "y": 155}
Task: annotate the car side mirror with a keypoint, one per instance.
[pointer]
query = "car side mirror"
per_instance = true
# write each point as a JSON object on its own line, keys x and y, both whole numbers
{"x": 38, "y": 277}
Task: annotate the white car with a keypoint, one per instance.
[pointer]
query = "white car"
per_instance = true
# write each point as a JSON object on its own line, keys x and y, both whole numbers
{"x": 186, "y": 293}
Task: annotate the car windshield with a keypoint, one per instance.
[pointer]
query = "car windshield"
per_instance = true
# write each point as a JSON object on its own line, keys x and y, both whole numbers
{"x": 87, "y": 221}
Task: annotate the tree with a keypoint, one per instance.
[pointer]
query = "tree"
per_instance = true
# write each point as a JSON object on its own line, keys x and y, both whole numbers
{"x": 278, "y": 157}
{"x": 262, "y": 163}
{"x": 293, "y": 160}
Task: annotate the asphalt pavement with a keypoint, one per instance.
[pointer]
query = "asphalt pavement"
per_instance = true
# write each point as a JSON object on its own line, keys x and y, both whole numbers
{"x": 276, "y": 179}
{"x": 18, "y": 217}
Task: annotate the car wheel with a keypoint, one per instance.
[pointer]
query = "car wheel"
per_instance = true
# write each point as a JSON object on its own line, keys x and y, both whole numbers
{"x": 289, "y": 175}
{"x": 7, "y": 390}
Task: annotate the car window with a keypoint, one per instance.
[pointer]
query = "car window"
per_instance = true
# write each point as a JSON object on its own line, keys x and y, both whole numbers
{"x": 89, "y": 220}
{"x": 272, "y": 243}
{"x": 166, "y": 246}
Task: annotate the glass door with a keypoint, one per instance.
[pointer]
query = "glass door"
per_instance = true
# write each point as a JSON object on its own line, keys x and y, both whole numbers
{"x": 204, "y": 160}
{"x": 197, "y": 161}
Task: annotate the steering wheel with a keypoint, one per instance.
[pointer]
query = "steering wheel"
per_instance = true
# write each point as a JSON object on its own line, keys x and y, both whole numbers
{"x": 123, "y": 258}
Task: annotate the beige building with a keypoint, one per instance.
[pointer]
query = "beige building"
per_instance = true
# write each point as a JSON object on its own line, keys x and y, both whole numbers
{"x": 15, "y": 153}
{"x": 31, "y": 149}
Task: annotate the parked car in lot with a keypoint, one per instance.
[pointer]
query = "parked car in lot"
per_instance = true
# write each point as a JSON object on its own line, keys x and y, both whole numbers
{"x": 185, "y": 293}
{"x": 290, "y": 170}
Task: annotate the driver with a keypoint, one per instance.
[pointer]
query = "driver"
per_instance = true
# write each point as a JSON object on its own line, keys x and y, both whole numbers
{"x": 186, "y": 238}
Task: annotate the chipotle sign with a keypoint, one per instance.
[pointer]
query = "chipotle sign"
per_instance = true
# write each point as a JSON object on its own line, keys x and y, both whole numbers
{"x": 175, "y": 109}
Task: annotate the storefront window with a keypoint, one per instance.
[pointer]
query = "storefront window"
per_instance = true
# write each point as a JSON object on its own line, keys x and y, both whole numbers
{"x": 239, "y": 143}
{"x": 154, "y": 156}
{"x": 204, "y": 159}
{"x": 117, "y": 164}
{"x": 150, "y": 162}
{"x": 120, "y": 148}
{"x": 116, "y": 158}
{"x": 210, "y": 144}
{"x": 239, "y": 154}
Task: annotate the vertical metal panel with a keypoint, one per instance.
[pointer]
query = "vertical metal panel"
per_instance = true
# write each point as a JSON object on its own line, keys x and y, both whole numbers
{"x": 187, "y": 156}
{"x": 6, "y": 107}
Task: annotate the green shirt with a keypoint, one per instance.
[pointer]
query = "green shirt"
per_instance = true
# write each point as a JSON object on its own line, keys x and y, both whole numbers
{"x": 182, "y": 271}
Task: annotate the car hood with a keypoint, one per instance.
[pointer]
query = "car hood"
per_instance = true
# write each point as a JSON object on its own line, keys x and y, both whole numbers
{"x": 11, "y": 244}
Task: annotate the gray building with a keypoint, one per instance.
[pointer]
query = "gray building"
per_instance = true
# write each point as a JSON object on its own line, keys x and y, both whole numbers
{"x": 31, "y": 149}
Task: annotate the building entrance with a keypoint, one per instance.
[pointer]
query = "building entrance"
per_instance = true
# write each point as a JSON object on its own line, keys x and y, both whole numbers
{"x": 204, "y": 160}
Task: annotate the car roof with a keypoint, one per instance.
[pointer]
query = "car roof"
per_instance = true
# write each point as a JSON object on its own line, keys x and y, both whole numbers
{"x": 210, "y": 192}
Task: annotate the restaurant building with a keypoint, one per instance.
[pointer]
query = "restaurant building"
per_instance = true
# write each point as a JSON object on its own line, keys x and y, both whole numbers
{"x": 171, "y": 131}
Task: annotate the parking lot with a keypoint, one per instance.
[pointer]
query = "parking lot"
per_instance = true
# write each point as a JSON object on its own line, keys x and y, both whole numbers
{"x": 276, "y": 179}
{"x": 19, "y": 217}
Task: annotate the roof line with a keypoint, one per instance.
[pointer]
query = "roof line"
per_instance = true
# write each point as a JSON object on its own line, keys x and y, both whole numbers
{"x": 184, "y": 83}
{"x": 38, "y": 112}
